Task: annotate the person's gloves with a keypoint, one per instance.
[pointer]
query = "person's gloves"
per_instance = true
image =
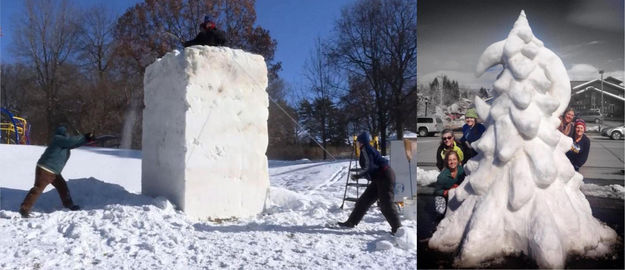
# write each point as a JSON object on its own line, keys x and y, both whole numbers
{"x": 89, "y": 136}
{"x": 447, "y": 190}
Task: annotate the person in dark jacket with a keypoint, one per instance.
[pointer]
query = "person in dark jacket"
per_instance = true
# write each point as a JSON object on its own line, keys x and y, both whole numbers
{"x": 374, "y": 167}
{"x": 581, "y": 146}
{"x": 49, "y": 167}
{"x": 471, "y": 132}
{"x": 209, "y": 35}
{"x": 449, "y": 178}
{"x": 448, "y": 143}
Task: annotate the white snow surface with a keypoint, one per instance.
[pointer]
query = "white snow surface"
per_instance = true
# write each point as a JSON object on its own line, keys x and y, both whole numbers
{"x": 521, "y": 193}
{"x": 120, "y": 229}
{"x": 428, "y": 177}
{"x": 205, "y": 131}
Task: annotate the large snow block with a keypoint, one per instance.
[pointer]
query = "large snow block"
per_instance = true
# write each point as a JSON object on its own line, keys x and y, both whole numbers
{"x": 205, "y": 131}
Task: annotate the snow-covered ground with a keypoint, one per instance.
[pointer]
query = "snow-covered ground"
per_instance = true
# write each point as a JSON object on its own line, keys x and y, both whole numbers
{"x": 120, "y": 229}
{"x": 428, "y": 177}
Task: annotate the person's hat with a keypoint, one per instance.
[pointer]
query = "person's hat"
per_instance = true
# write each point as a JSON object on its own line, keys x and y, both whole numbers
{"x": 207, "y": 19}
{"x": 581, "y": 123}
{"x": 364, "y": 138}
{"x": 471, "y": 113}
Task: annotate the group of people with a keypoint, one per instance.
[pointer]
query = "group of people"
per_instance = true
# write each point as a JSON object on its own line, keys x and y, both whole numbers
{"x": 576, "y": 130}
{"x": 452, "y": 153}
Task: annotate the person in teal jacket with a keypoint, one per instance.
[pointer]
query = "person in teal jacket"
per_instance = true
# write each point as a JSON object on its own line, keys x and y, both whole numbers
{"x": 49, "y": 167}
{"x": 450, "y": 177}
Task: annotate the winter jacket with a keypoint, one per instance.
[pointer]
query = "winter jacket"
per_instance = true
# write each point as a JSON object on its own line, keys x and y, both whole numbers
{"x": 371, "y": 162}
{"x": 444, "y": 181}
{"x": 470, "y": 135}
{"x": 57, "y": 153}
{"x": 579, "y": 152}
{"x": 441, "y": 151}
{"x": 210, "y": 37}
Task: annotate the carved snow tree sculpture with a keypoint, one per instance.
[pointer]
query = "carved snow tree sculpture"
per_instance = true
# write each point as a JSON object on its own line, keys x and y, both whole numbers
{"x": 522, "y": 194}
{"x": 205, "y": 131}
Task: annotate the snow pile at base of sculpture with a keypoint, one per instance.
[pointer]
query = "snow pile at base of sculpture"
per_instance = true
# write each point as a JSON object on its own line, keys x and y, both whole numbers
{"x": 205, "y": 131}
{"x": 522, "y": 193}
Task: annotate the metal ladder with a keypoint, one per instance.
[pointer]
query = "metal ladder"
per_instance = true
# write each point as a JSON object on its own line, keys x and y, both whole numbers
{"x": 358, "y": 184}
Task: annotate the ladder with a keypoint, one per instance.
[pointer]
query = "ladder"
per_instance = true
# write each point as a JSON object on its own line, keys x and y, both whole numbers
{"x": 353, "y": 167}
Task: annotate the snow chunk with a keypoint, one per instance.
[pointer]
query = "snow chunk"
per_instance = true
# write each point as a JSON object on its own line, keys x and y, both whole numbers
{"x": 205, "y": 131}
{"x": 426, "y": 177}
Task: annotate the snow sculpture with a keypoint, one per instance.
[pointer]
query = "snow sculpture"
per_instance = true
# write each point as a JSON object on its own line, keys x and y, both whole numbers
{"x": 521, "y": 193}
{"x": 205, "y": 131}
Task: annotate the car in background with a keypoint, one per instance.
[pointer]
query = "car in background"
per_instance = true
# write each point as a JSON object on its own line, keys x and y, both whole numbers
{"x": 615, "y": 133}
{"x": 591, "y": 116}
{"x": 427, "y": 126}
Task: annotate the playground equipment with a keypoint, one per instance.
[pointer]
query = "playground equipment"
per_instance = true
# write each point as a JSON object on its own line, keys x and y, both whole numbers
{"x": 15, "y": 131}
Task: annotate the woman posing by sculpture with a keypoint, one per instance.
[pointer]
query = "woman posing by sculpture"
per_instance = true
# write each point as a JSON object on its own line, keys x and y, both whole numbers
{"x": 449, "y": 178}
{"x": 471, "y": 131}
{"x": 581, "y": 146}
{"x": 448, "y": 143}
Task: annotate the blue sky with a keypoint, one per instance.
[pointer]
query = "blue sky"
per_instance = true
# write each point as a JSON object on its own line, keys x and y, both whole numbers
{"x": 295, "y": 24}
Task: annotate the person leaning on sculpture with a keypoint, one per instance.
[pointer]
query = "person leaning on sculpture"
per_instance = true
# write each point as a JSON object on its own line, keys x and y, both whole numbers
{"x": 49, "y": 167}
{"x": 374, "y": 167}
{"x": 209, "y": 35}
{"x": 449, "y": 178}
{"x": 448, "y": 143}
{"x": 566, "y": 123}
{"x": 581, "y": 146}
{"x": 471, "y": 131}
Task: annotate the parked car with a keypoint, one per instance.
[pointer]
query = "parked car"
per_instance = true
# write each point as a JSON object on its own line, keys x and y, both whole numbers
{"x": 591, "y": 116}
{"x": 615, "y": 133}
{"x": 427, "y": 126}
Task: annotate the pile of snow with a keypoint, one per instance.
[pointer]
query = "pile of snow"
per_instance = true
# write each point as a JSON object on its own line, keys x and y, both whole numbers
{"x": 121, "y": 229}
{"x": 205, "y": 131}
{"x": 609, "y": 191}
{"x": 522, "y": 194}
{"x": 426, "y": 177}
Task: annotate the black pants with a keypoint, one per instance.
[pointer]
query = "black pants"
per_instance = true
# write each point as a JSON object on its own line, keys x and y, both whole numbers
{"x": 381, "y": 189}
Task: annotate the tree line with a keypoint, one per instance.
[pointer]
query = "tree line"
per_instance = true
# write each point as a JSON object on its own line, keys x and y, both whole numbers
{"x": 84, "y": 67}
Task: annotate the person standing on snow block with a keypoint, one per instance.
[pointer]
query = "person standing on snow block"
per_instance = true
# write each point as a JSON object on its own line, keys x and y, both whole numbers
{"x": 374, "y": 167}
{"x": 209, "y": 35}
{"x": 49, "y": 169}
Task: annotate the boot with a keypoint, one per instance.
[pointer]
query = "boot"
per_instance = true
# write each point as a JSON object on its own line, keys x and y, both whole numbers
{"x": 24, "y": 213}
{"x": 394, "y": 230}
{"x": 346, "y": 224}
{"x": 73, "y": 207}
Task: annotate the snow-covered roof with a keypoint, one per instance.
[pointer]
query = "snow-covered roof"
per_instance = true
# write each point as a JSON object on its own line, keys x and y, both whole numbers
{"x": 599, "y": 90}
{"x": 583, "y": 85}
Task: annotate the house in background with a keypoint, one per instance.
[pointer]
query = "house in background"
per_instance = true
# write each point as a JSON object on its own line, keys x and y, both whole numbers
{"x": 586, "y": 96}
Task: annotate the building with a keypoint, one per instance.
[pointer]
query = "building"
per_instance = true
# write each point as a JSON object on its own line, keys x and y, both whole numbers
{"x": 586, "y": 96}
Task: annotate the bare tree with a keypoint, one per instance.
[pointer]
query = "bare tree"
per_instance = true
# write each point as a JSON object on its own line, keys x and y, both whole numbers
{"x": 360, "y": 51}
{"x": 323, "y": 80}
{"x": 46, "y": 38}
{"x": 399, "y": 39}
